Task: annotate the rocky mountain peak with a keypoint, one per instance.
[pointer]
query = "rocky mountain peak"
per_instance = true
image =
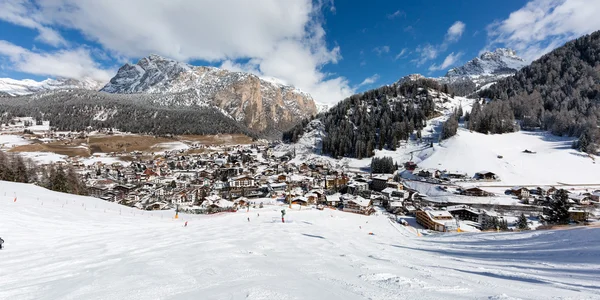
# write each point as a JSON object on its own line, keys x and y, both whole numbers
{"x": 262, "y": 104}
{"x": 502, "y": 61}
{"x": 409, "y": 78}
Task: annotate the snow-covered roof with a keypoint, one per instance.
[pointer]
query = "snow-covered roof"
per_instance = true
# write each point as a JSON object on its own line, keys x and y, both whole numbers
{"x": 361, "y": 201}
{"x": 224, "y": 203}
{"x": 439, "y": 213}
{"x": 333, "y": 198}
{"x": 389, "y": 190}
{"x": 300, "y": 198}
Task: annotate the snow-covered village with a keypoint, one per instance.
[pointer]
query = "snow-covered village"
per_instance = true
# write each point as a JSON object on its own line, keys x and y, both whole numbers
{"x": 305, "y": 149}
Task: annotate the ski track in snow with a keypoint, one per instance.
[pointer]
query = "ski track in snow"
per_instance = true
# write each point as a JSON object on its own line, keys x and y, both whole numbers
{"x": 61, "y": 246}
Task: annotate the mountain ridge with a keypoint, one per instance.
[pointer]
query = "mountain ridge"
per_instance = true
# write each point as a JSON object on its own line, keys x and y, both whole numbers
{"x": 15, "y": 87}
{"x": 261, "y": 104}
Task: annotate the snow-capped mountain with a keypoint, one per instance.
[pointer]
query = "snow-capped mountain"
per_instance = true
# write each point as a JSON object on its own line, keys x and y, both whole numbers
{"x": 477, "y": 74}
{"x": 15, "y": 87}
{"x": 262, "y": 104}
{"x": 502, "y": 61}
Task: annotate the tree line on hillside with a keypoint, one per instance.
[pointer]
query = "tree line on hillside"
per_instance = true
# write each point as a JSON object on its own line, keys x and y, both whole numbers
{"x": 383, "y": 165}
{"x": 54, "y": 177}
{"x": 80, "y": 110}
{"x": 375, "y": 119}
{"x": 559, "y": 92}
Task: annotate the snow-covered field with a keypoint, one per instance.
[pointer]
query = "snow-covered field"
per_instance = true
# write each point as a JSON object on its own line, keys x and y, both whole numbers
{"x": 171, "y": 146}
{"x": 553, "y": 162}
{"x": 8, "y": 141}
{"x": 43, "y": 157}
{"x": 62, "y": 246}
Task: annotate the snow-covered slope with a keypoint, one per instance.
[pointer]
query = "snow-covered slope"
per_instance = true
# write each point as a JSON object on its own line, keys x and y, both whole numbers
{"x": 27, "y": 86}
{"x": 502, "y": 61}
{"x": 553, "y": 162}
{"x": 60, "y": 246}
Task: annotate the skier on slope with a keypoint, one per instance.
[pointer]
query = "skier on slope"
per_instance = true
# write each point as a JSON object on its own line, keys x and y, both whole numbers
{"x": 1, "y": 242}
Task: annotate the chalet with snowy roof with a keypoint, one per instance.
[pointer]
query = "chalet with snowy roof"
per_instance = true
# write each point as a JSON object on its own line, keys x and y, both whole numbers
{"x": 356, "y": 186}
{"x": 242, "y": 181}
{"x": 467, "y": 213}
{"x": 454, "y": 175}
{"x": 358, "y": 205}
{"x": 392, "y": 192}
{"x": 580, "y": 199}
{"x": 332, "y": 200}
{"x": 332, "y": 181}
{"x": 277, "y": 186}
{"x": 486, "y": 175}
{"x": 438, "y": 220}
{"x": 475, "y": 191}
{"x": 520, "y": 192}
{"x": 301, "y": 200}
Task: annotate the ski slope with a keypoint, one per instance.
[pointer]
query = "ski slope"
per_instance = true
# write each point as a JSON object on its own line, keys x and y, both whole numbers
{"x": 62, "y": 246}
{"x": 553, "y": 161}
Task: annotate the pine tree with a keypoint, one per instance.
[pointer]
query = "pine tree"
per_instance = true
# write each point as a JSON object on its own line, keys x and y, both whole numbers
{"x": 559, "y": 208}
{"x": 522, "y": 222}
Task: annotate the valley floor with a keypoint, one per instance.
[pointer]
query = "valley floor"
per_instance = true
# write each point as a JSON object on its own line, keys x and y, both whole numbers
{"x": 61, "y": 246}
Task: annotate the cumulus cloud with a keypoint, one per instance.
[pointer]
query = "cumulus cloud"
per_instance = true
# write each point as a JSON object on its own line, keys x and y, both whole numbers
{"x": 283, "y": 39}
{"x": 449, "y": 61}
{"x": 76, "y": 63}
{"x": 19, "y": 13}
{"x": 541, "y": 25}
{"x": 369, "y": 80}
{"x": 429, "y": 52}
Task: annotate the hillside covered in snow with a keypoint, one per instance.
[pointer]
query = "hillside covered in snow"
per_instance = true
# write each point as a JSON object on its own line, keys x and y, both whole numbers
{"x": 60, "y": 246}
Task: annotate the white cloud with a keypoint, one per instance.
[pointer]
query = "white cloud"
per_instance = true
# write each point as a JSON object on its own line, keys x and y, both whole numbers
{"x": 402, "y": 53}
{"x": 542, "y": 25}
{"x": 396, "y": 14}
{"x": 75, "y": 63}
{"x": 429, "y": 52}
{"x": 283, "y": 39}
{"x": 455, "y": 31}
{"x": 449, "y": 61}
{"x": 369, "y": 80}
{"x": 382, "y": 50}
{"x": 18, "y": 13}
{"x": 426, "y": 53}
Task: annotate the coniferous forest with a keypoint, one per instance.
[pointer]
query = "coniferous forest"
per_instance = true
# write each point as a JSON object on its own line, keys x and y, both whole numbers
{"x": 560, "y": 92}
{"x": 78, "y": 110}
{"x": 376, "y": 119}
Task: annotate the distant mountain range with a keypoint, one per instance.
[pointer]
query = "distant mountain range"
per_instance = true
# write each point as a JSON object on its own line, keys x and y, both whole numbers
{"x": 13, "y": 87}
{"x": 479, "y": 73}
{"x": 263, "y": 106}
{"x": 258, "y": 103}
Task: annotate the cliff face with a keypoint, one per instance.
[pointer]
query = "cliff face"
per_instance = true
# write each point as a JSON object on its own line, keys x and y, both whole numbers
{"x": 262, "y": 105}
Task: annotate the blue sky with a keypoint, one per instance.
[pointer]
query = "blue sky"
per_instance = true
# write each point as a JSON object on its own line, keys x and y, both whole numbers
{"x": 330, "y": 48}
